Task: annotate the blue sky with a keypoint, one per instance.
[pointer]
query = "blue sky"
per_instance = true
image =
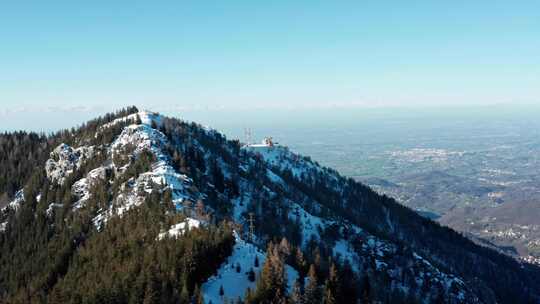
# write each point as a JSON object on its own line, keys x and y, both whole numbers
{"x": 182, "y": 55}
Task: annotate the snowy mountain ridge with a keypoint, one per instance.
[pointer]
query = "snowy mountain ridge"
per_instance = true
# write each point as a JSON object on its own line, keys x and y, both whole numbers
{"x": 142, "y": 137}
{"x": 207, "y": 179}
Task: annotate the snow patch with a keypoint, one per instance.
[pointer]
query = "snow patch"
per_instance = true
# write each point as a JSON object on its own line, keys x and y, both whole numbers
{"x": 147, "y": 118}
{"x": 179, "y": 229}
{"x": 274, "y": 178}
{"x": 51, "y": 207}
{"x": 81, "y": 188}
{"x": 16, "y": 202}
{"x": 235, "y": 284}
{"x": 345, "y": 251}
{"x": 161, "y": 174}
{"x": 281, "y": 157}
{"x": 141, "y": 137}
{"x": 310, "y": 224}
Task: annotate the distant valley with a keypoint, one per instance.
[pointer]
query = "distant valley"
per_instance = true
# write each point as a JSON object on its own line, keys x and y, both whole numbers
{"x": 478, "y": 173}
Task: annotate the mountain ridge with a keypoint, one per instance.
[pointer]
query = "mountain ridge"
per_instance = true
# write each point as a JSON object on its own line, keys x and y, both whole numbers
{"x": 191, "y": 173}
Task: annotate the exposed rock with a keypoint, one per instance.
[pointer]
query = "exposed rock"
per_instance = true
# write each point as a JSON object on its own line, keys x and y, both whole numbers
{"x": 81, "y": 188}
{"x": 64, "y": 160}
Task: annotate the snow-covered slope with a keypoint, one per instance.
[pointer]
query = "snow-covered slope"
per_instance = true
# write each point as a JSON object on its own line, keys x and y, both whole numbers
{"x": 133, "y": 140}
{"x": 141, "y": 138}
{"x": 147, "y": 118}
{"x": 233, "y": 276}
{"x": 284, "y": 159}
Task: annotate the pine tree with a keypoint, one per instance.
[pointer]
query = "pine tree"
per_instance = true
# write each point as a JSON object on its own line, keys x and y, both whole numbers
{"x": 200, "y": 209}
{"x": 296, "y": 294}
{"x": 251, "y": 275}
{"x": 285, "y": 247}
{"x": 221, "y": 291}
{"x": 329, "y": 297}
{"x": 311, "y": 294}
{"x": 217, "y": 176}
{"x": 184, "y": 295}
{"x": 332, "y": 288}
{"x": 56, "y": 297}
{"x": 271, "y": 286}
{"x": 249, "y": 297}
{"x": 300, "y": 260}
{"x": 198, "y": 295}
{"x": 366, "y": 291}
{"x": 150, "y": 295}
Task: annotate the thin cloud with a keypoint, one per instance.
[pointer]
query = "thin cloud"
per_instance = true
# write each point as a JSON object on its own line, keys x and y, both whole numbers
{"x": 51, "y": 109}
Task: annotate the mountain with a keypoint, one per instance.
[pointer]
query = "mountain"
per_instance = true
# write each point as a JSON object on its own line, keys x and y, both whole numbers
{"x": 136, "y": 207}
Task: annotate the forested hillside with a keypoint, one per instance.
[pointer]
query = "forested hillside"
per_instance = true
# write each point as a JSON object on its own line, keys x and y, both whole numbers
{"x": 135, "y": 207}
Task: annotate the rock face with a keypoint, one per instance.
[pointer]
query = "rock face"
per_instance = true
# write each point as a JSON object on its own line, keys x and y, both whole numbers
{"x": 64, "y": 159}
{"x": 81, "y": 188}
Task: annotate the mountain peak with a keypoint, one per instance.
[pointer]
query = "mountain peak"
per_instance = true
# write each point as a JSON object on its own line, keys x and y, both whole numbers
{"x": 153, "y": 185}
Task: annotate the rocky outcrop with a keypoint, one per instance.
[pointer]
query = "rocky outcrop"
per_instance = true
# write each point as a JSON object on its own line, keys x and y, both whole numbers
{"x": 64, "y": 160}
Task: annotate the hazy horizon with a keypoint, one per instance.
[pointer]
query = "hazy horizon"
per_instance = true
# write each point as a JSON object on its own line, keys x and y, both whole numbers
{"x": 233, "y": 121}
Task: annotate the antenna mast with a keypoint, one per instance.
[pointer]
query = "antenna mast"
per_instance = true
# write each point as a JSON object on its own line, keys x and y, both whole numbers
{"x": 247, "y": 133}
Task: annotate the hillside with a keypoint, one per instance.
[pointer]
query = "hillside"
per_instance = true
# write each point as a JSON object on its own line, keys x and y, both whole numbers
{"x": 136, "y": 207}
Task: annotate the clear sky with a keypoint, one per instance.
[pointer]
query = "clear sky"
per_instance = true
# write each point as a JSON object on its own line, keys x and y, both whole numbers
{"x": 87, "y": 55}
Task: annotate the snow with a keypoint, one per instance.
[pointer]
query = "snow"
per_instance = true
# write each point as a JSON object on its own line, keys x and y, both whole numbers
{"x": 146, "y": 117}
{"x": 64, "y": 160}
{"x": 378, "y": 247}
{"x": 310, "y": 224}
{"x": 179, "y": 229}
{"x": 281, "y": 157}
{"x": 274, "y": 178}
{"x": 345, "y": 250}
{"x": 240, "y": 205}
{"x": 292, "y": 276}
{"x": 14, "y": 205}
{"x": 51, "y": 207}
{"x": 144, "y": 138}
{"x": 236, "y": 284}
{"x": 161, "y": 174}
{"x": 164, "y": 174}
{"x": 137, "y": 138}
{"x": 133, "y": 139}
{"x": 380, "y": 265}
{"x": 16, "y": 202}
{"x": 99, "y": 219}
{"x": 81, "y": 188}
{"x": 447, "y": 280}
{"x": 381, "y": 250}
